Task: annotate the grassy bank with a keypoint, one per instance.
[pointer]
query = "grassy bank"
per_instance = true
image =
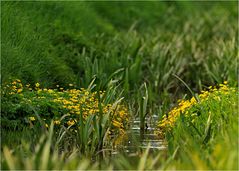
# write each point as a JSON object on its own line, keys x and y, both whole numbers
{"x": 202, "y": 132}
{"x": 63, "y": 43}
{"x": 75, "y": 74}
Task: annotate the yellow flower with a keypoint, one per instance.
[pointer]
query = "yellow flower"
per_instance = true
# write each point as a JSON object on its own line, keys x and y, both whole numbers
{"x": 225, "y": 82}
{"x": 57, "y": 122}
{"x": 37, "y": 84}
{"x": 50, "y": 91}
{"x": 39, "y": 90}
{"x": 78, "y": 112}
{"x": 14, "y": 87}
{"x": 169, "y": 120}
{"x": 74, "y": 102}
{"x": 71, "y": 122}
{"x": 32, "y": 118}
{"x": 19, "y": 90}
{"x": 117, "y": 124}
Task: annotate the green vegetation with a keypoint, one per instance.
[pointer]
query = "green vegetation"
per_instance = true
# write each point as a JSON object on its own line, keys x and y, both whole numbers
{"x": 203, "y": 134}
{"x": 74, "y": 75}
{"x": 86, "y": 116}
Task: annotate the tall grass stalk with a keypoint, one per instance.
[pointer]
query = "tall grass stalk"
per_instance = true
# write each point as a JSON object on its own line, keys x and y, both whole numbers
{"x": 143, "y": 102}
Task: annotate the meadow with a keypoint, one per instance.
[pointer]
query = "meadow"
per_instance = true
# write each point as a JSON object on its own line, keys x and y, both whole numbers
{"x": 76, "y": 75}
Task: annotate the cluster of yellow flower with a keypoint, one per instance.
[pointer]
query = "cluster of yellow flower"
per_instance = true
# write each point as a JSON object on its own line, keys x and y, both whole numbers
{"x": 183, "y": 106}
{"x": 72, "y": 103}
{"x": 15, "y": 87}
{"x": 76, "y": 102}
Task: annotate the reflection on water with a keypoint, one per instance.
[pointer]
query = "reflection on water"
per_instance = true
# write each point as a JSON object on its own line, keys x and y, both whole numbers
{"x": 137, "y": 140}
{"x": 141, "y": 139}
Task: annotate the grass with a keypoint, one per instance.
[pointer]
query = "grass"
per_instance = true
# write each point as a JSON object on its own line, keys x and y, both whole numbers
{"x": 65, "y": 56}
{"x": 87, "y": 118}
{"x": 45, "y": 156}
{"x": 205, "y": 133}
{"x": 89, "y": 68}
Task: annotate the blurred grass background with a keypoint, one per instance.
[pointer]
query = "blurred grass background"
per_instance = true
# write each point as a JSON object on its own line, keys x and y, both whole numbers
{"x": 69, "y": 42}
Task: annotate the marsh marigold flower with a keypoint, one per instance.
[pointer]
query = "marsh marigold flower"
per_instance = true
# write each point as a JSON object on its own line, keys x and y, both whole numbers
{"x": 31, "y": 118}
{"x": 57, "y": 122}
{"x": 183, "y": 106}
{"x": 37, "y": 85}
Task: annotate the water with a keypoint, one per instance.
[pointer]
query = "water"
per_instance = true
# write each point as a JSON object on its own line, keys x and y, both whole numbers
{"x": 147, "y": 137}
{"x": 137, "y": 140}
